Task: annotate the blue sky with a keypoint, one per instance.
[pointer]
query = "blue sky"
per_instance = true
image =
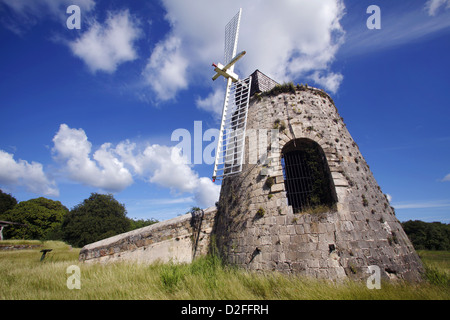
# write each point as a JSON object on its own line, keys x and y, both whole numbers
{"x": 94, "y": 109}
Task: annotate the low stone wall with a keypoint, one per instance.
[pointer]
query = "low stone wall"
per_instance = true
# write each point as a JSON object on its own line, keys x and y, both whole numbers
{"x": 19, "y": 246}
{"x": 179, "y": 240}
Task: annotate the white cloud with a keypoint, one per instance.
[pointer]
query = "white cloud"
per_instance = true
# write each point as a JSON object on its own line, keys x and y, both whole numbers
{"x": 433, "y": 6}
{"x": 102, "y": 46}
{"x": 331, "y": 81}
{"x": 113, "y": 168}
{"x": 423, "y": 205}
{"x": 389, "y": 197}
{"x": 166, "y": 69}
{"x": 213, "y": 102}
{"x": 105, "y": 47}
{"x": 105, "y": 171}
{"x": 446, "y": 178}
{"x": 207, "y": 193}
{"x": 166, "y": 167}
{"x": 287, "y": 40}
{"x": 21, "y": 173}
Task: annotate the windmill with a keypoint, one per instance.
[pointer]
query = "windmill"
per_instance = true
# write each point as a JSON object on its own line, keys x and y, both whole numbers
{"x": 231, "y": 142}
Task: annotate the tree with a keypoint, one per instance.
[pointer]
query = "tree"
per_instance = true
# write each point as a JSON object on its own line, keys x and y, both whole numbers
{"x": 140, "y": 223}
{"x": 96, "y": 218}
{"x": 42, "y": 217}
{"x": 7, "y": 202}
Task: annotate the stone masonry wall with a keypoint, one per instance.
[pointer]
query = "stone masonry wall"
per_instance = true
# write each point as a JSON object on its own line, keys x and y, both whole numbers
{"x": 255, "y": 228}
{"x": 176, "y": 240}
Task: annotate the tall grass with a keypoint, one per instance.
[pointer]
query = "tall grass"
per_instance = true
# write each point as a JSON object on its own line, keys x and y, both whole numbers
{"x": 23, "y": 276}
{"x": 437, "y": 266}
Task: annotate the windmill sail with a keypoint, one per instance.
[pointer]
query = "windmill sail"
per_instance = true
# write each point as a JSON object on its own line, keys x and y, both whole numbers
{"x": 231, "y": 37}
{"x": 230, "y": 147}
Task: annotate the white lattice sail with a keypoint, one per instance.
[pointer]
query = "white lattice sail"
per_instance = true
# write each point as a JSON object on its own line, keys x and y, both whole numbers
{"x": 231, "y": 37}
{"x": 231, "y": 144}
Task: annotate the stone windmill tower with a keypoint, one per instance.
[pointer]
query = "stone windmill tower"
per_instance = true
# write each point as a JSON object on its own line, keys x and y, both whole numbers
{"x": 303, "y": 199}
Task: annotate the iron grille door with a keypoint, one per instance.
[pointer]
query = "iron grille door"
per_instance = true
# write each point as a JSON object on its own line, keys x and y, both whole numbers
{"x": 298, "y": 179}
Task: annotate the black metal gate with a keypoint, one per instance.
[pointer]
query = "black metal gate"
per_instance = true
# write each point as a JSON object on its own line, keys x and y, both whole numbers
{"x": 306, "y": 176}
{"x": 297, "y": 179}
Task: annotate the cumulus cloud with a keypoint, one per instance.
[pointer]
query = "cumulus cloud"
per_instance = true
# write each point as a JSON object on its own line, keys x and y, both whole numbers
{"x": 105, "y": 170}
{"x": 114, "y": 168}
{"x": 207, "y": 193}
{"x": 173, "y": 172}
{"x": 166, "y": 167}
{"x": 329, "y": 80}
{"x": 166, "y": 69}
{"x": 213, "y": 102}
{"x": 432, "y": 6}
{"x": 171, "y": 169}
{"x": 295, "y": 38}
{"x": 287, "y": 40}
{"x": 103, "y": 47}
{"x": 22, "y": 173}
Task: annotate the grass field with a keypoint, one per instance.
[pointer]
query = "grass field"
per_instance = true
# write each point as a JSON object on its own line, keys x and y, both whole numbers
{"x": 23, "y": 276}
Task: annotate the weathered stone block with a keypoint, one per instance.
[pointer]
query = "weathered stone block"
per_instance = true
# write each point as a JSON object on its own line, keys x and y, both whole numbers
{"x": 277, "y": 187}
{"x": 299, "y": 229}
{"x": 313, "y": 263}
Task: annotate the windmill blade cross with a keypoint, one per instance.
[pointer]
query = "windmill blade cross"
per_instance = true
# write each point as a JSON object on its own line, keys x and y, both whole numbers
{"x": 226, "y": 71}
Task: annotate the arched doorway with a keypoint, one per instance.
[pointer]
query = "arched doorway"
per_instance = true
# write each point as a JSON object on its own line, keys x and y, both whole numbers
{"x": 307, "y": 177}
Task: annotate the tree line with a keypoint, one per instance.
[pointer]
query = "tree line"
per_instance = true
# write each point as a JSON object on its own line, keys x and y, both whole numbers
{"x": 96, "y": 218}
{"x": 428, "y": 235}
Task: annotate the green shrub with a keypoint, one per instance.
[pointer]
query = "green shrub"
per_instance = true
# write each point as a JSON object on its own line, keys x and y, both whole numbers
{"x": 365, "y": 202}
{"x": 280, "y": 88}
{"x": 280, "y": 125}
{"x": 269, "y": 182}
{"x": 261, "y": 212}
